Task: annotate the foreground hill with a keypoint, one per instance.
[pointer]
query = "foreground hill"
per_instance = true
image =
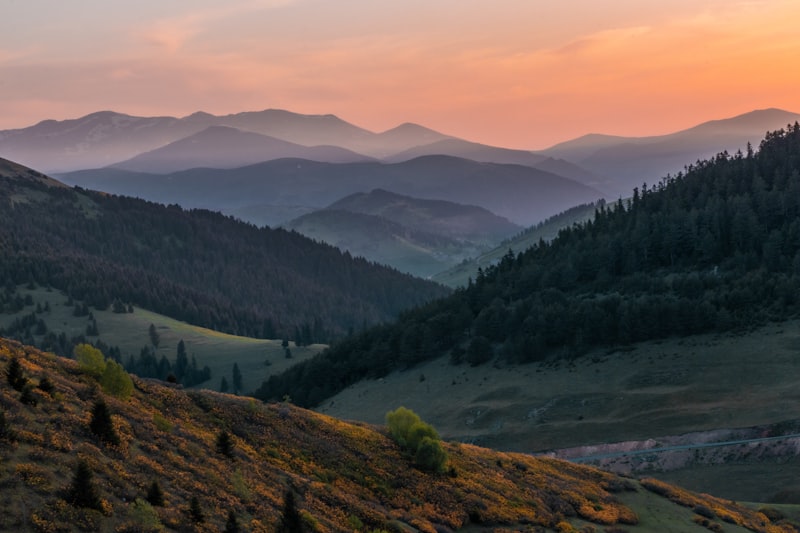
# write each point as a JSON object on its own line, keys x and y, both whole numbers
{"x": 712, "y": 250}
{"x": 626, "y": 162}
{"x": 524, "y": 195}
{"x": 197, "y": 266}
{"x": 223, "y": 462}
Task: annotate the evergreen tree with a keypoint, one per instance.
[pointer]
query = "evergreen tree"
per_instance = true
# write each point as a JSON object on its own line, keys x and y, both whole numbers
{"x": 102, "y": 425}
{"x": 232, "y": 524}
{"x": 223, "y": 384}
{"x": 155, "y": 496}
{"x": 15, "y": 375}
{"x": 195, "y": 512}
{"x": 154, "y": 337}
{"x": 291, "y": 521}
{"x": 237, "y": 379}
{"x": 225, "y": 444}
{"x": 82, "y": 492}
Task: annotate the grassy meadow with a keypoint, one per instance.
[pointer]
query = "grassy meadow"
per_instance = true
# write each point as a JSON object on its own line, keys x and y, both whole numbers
{"x": 130, "y": 332}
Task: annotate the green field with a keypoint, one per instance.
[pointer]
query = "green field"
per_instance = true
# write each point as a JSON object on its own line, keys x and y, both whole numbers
{"x": 129, "y": 331}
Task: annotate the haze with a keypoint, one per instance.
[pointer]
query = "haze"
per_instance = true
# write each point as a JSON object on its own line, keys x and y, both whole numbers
{"x": 517, "y": 73}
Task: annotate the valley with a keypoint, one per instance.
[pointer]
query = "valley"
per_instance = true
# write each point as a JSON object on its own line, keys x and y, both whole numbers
{"x": 647, "y": 391}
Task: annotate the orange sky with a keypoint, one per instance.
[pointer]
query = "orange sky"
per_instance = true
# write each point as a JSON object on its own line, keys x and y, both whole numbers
{"x": 517, "y": 73}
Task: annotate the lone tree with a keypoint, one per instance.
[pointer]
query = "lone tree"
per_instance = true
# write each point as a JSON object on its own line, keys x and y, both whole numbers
{"x": 232, "y": 525}
{"x": 14, "y": 374}
{"x": 82, "y": 492}
{"x": 155, "y": 496}
{"x": 237, "y": 379}
{"x": 102, "y": 425}
{"x": 225, "y": 444}
{"x": 154, "y": 337}
{"x": 291, "y": 521}
{"x": 195, "y": 512}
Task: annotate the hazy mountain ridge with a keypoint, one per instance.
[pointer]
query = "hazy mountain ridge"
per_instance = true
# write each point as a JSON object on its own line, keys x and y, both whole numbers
{"x": 628, "y": 162}
{"x": 227, "y": 147}
{"x": 523, "y": 195}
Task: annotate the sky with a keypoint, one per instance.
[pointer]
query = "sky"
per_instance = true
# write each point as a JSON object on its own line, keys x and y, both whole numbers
{"x": 516, "y": 73}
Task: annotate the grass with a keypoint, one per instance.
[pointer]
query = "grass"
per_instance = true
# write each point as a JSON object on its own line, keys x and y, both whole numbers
{"x": 129, "y": 331}
{"x": 644, "y": 391}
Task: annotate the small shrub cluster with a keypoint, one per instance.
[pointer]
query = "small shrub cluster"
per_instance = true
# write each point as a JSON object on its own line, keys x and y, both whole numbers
{"x": 418, "y": 438}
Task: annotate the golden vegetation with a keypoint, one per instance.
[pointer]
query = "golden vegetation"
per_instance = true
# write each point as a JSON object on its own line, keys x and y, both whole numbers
{"x": 344, "y": 476}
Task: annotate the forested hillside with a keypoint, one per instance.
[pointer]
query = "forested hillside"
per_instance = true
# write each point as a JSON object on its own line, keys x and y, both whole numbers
{"x": 713, "y": 249}
{"x": 197, "y": 266}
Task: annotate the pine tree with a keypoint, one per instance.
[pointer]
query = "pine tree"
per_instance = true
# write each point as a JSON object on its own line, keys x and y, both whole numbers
{"x": 291, "y": 522}
{"x": 237, "y": 379}
{"x": 14, "y": 374}
{"x": 82, "y": 492}
{"x": 195, "y": 511}
{"x": 225, "y": 444}
{"x": 101, "y": 424}
{"x": 155, "y": 496}
{"x": 232, "y": 525}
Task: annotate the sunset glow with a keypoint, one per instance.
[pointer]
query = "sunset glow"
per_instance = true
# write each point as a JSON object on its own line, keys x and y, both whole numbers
{"x": 518, "y": 73}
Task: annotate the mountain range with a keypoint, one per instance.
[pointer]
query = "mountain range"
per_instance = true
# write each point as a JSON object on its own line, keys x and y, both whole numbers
{"x": 519, "y": 193}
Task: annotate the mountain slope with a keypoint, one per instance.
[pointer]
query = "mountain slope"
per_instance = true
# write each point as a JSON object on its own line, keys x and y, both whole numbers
{"x": 627, "y": 162}
{"x": 459, "y": 275}
{"x": 226, "y": 147}
{"x": 340, "y": 476}
{"x": 197, "y": 266}
{"x": 521, "y": 194}
{"x": 713, "y": 250}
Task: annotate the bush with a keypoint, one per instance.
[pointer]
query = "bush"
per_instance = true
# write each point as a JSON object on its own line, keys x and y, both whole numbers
{"x": 430, "y": 455}
{"x": 14, "y": 374}
{"x": 418, "y": 438}
{"x": 155, "y": 496}
{"x": 90, "y": 360}
{"x": 116, "y": 381}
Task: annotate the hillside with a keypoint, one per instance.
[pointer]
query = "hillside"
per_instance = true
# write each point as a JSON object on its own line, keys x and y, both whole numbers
{"x": 459, "y": 275}
{"x": 712, "y": 250}
{"x": 523, "y": 195}
{"x": 222, "y": 462}
{"x": 196, "y": 266}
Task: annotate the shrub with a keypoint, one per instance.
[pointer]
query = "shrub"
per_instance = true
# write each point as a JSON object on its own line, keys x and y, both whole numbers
{"x": 47, "y": 386}
{"x": 418, "y": 438}
{"x": 116, "y": 381}
{"x": 90, "y": 359}
{"x": 430, "y": 455}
